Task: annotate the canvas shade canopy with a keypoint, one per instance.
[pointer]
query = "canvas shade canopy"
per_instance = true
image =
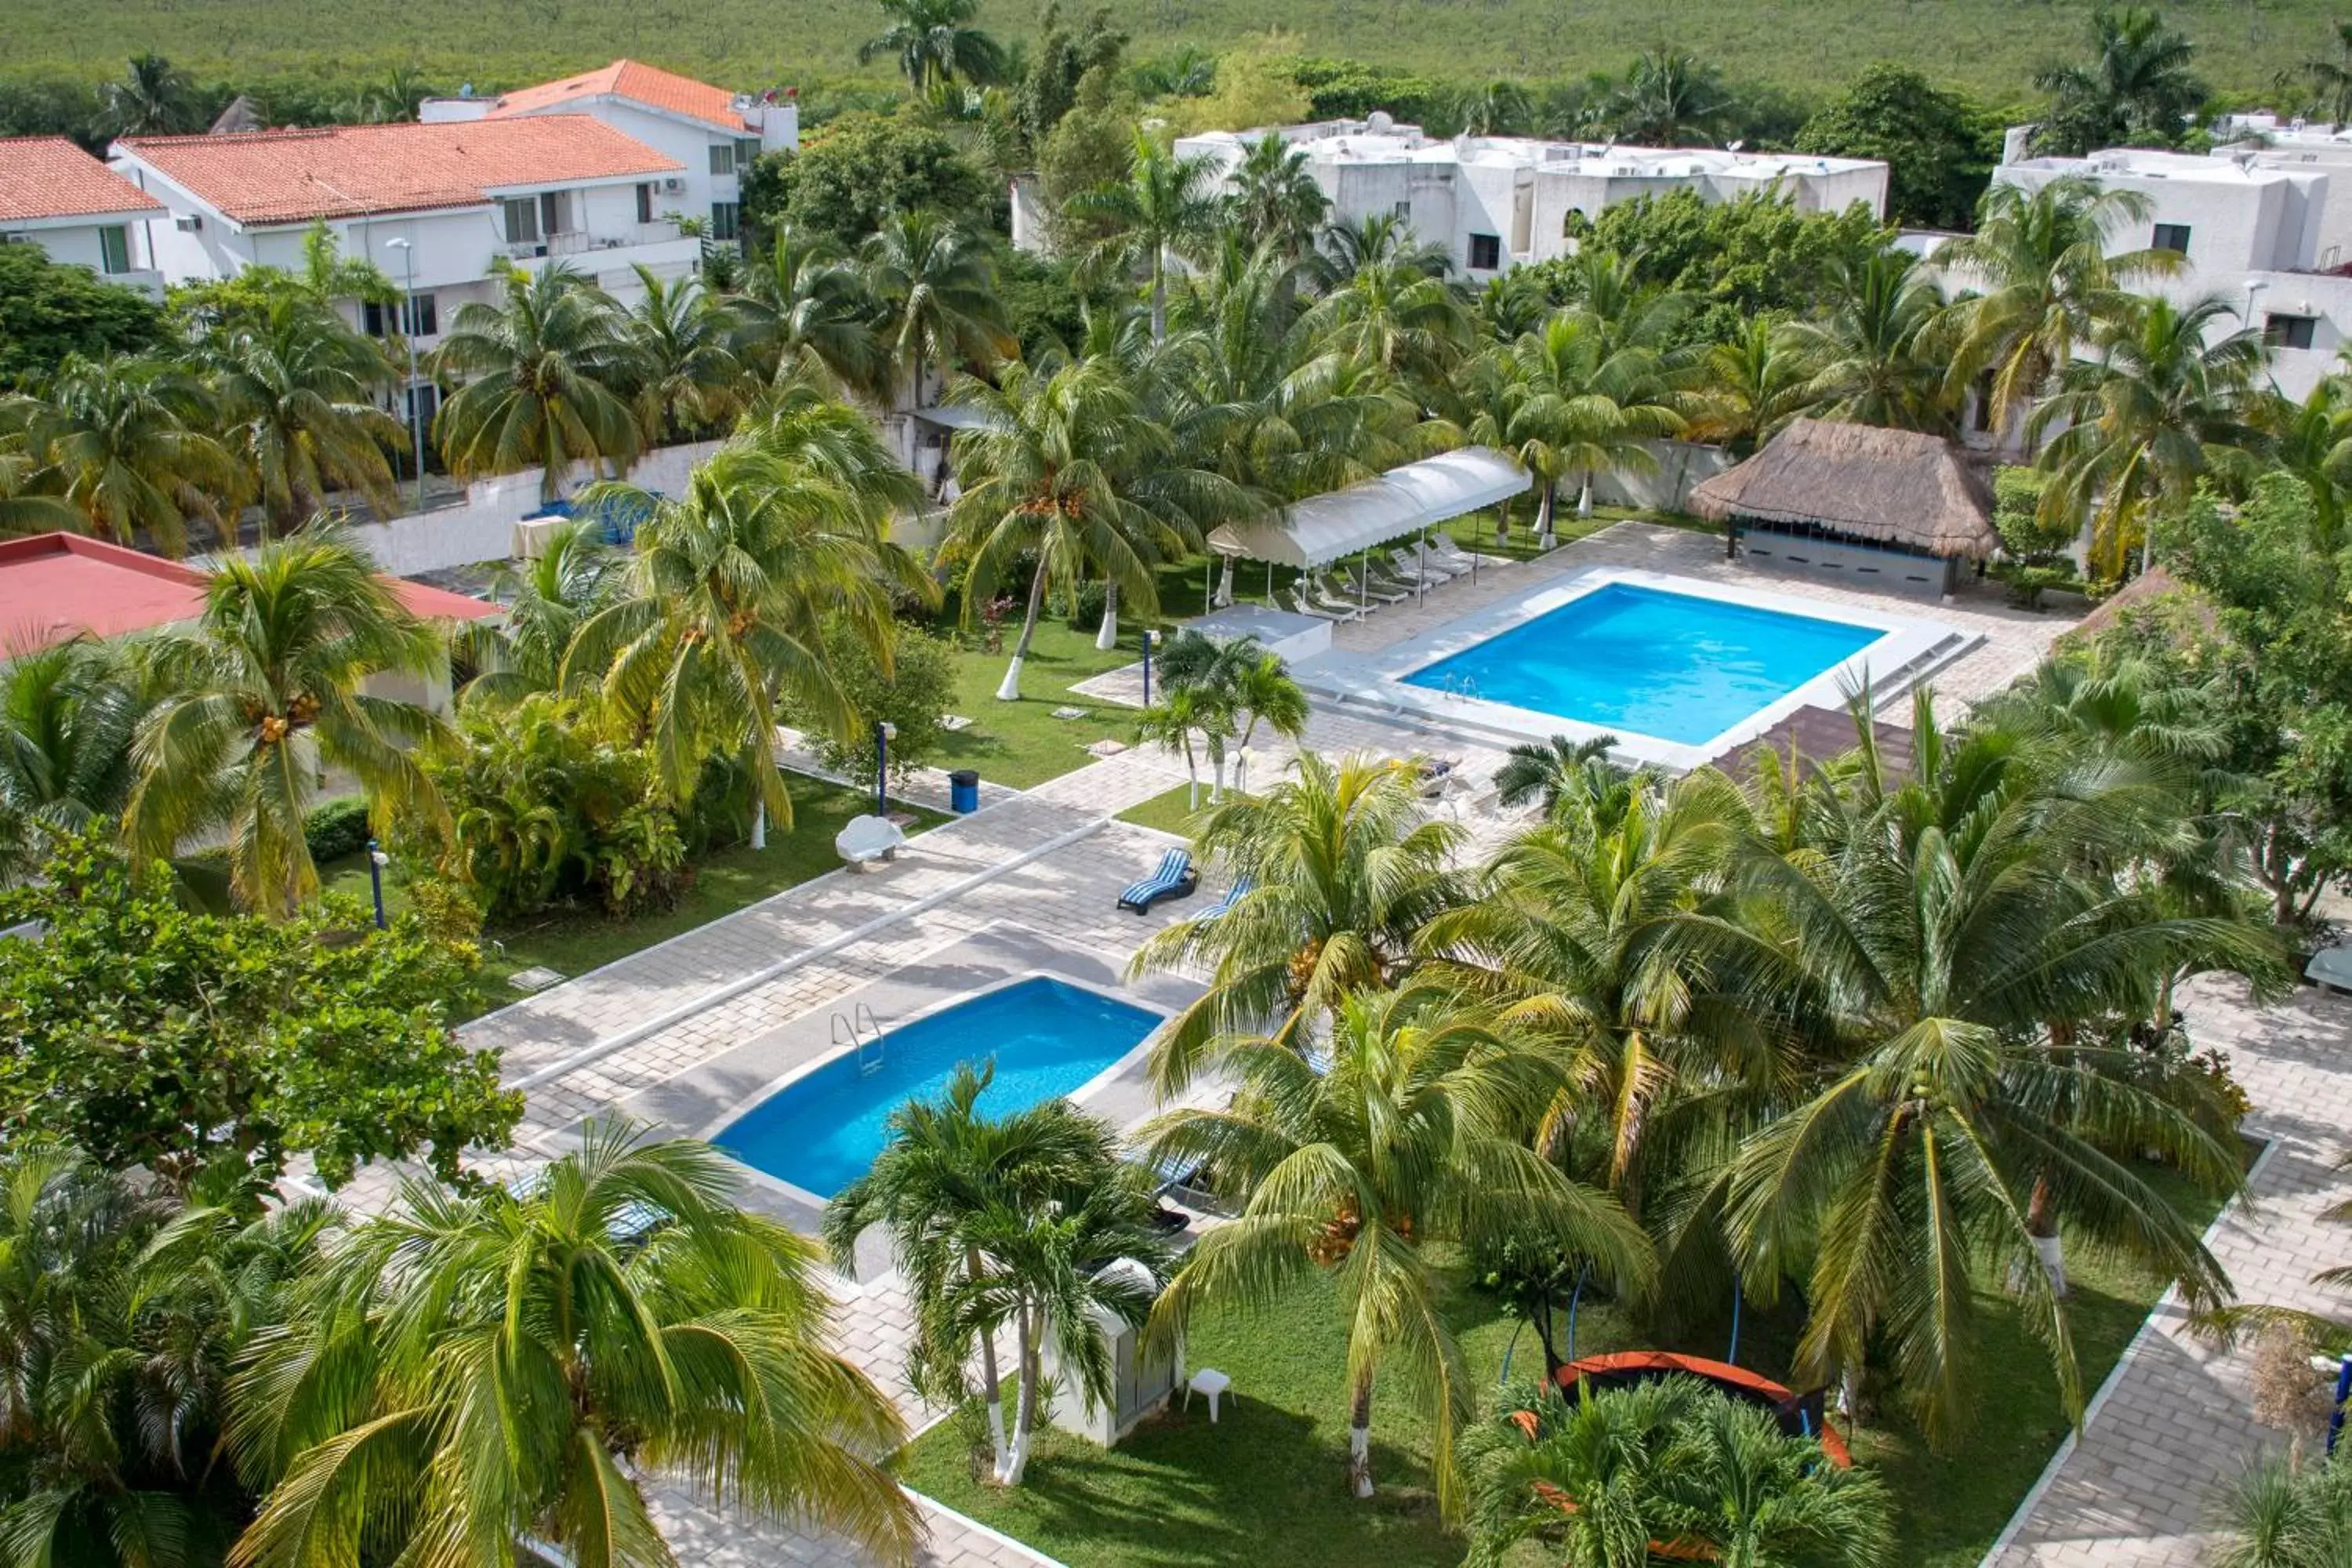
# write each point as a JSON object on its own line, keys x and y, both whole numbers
{"x": 1338, "y": 524}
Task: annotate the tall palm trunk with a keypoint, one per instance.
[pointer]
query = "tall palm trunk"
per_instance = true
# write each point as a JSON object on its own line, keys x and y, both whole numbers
{"x": 1024, "y": 1419}
{"x": 1544, "y": 512}
{"x": 1106, "y": 637}
{"x": 990, "y": 1386}
{"x": 1360, "y": 1437}
{"x": 1158, "y": 293}
{"x": 2042, "y": 1225}
{"x": 1009, "y": 690}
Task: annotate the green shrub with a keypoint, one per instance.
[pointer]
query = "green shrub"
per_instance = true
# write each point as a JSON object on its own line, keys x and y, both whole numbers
{"x": 336, "y": 829}
{"x": 913, "y": 695}
{"x": 1086, "y": 607}
{"x": 2017, "y": 516}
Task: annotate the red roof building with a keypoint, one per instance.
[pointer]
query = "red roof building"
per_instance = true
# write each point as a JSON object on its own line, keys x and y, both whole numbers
{"x": 646, "y": 86}
{"x": 47, "y": 178}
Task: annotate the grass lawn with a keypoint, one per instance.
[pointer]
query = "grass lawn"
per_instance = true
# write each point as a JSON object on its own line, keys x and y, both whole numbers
{"x": 572, "y": 942}
{"x": 1266, "y": 1483}
{"x": 1170, "y": 812}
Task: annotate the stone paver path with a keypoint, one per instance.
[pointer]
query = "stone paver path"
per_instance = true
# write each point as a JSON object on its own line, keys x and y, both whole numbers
{"x": 2173, "y": 1427}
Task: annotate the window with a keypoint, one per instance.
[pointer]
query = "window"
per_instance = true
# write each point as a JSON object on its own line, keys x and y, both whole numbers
{"x": 555, "y": 212}
{"x": 1981, "y": 406}
{"x": 424, "y": 401}
{"x": 1486, "y": 252}
{"x": 2171, "y": 236}
{"x": 114, "y": 248}
{"x": 522, "y": 221}
{"x": 1404, "y": 211}
{"x": 2288, "y": 332}
{"x": 726, "y": 219}
{"x": 372, "y": 319}
{"x": 722, "y": 157}
{"x": 420, "y": 317}
{"x": 645, "y": 204}
{"x": 746, "y": 150}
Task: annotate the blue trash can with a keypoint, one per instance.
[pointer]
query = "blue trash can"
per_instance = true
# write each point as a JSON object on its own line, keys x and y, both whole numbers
{"x": 964, "y": 791}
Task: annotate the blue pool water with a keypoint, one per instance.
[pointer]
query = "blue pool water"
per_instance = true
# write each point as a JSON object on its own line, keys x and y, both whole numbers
{"x": 1647, "y": 662}
{"x": 823, "y": 1130}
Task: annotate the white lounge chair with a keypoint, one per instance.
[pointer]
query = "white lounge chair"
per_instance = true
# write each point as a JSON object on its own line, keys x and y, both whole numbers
{"x": 1336, "y": 604}
{"x": 1307, "y": 606}
{"x": 1344, "y": 586}
{"x": 1449, "y": 553}
{"x": 1434, "y": 571}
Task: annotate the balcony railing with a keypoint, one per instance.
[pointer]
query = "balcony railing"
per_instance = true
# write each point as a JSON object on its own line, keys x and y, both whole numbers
{"x": 581, "y": 242}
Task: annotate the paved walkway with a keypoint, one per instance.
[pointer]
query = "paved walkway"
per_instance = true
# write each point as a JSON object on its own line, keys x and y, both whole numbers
{"x": 2173, "y": 1427}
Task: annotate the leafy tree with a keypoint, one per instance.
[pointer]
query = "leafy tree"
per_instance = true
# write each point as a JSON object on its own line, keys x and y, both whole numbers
{"x": 2136, "y": 91}
{"x": 911, "y": 691}
{"x": 935, "y": 43}
{"x": 700, "y": 1355}
{"x": 2026, "y": 532}
{"x": 1938, "y": 147}
{"x": 840, "y": 185}
{"x": 264, "y": 695}
{"x": 49, "y": 311}
{"x": 1413, "y": 1133}
{"x": 68, "y": 714}
{"x": 1350, "y": 89}
{"x": 127, "y": 443}
{"x": 1090, "y": 148}
{"x": 1064, "y": 56}
{"x": 156, "y": 1037}
{"x": 545, "y": 376}
{"x": 295, "y": 388}
{"x": 1252, "y": 87}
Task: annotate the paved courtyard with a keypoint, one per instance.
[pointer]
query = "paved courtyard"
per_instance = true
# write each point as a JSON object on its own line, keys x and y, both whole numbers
{"x": 1048, "y": 862}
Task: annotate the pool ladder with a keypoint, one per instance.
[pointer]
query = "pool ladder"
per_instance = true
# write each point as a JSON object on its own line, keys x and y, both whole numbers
{"x": 859, "y": 1027}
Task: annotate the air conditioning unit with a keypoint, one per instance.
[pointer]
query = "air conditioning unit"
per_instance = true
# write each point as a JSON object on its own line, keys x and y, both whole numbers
{"x": 673, "y": 186}
{"x": 189, "y": 223}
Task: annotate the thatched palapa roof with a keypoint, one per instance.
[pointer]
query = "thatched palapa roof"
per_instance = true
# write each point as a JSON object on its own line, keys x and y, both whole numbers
{"x": 1886, "y": 487}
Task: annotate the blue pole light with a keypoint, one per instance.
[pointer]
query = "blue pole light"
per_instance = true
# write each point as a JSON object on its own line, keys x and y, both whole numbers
{"x": 377, "y": 861}
{"x": 1147, "y": 667}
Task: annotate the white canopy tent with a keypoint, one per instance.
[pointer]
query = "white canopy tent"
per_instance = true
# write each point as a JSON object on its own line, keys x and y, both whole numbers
{"x": 1323, "y": 529}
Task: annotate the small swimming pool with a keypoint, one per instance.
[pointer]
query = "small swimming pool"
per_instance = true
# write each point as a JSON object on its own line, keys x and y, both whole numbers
{"x": 1646, "y": 661}
{"x": 821, "y": 1130}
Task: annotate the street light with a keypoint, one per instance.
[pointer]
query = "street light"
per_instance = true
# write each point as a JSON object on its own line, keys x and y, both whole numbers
{"x": 408, "y": 320}
{"x": 884, "y": 733}
{"x": 1147, "y": 667}
{"x": 377, "y": 861}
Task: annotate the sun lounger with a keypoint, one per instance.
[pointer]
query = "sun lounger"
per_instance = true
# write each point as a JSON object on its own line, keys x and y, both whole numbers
{"x": 1175, "y": 878}
{"x": 1233, "y": 895}
{"x": 1435, "y": 572}
{"x": 1337, "y": 605}
{"x": 1451, "y": 555}
{"x": 1307, "y": 606}
{"x": 1343, "y": 586}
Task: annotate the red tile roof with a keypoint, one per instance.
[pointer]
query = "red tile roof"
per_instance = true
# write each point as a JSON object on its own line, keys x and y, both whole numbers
{"x": 56, "y": 586}
{"x": 350, "y": 171}
{"x": 49, "y": 176}
{"x": 644, "y": 84}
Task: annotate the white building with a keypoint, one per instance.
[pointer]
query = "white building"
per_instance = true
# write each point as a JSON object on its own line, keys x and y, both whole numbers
{"x": 1495, "y": 202}
{"x": 2268, "y": 230}
{"x": 55, "y": 196}
{"x": 713, "y": 135}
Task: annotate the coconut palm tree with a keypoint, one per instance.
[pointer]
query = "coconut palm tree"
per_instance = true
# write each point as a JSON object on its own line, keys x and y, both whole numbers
{"x": 1944, "y": 940}
{"x": 1379, "y": 239}
{"x": 1582, "y": 405}
{"x": 1413, "y": 1132}
{"x": 1751, "y": 386}
{"x": 2327, "y": 79}
{"x": 783, "y": 531}
{"x": 688, "y": 379}
{"x": 264, "y": 696}
{"x": 547, "y": 600}
{"x": 545, "y": 376}
{"x": 1556, "y": 773}
{"x": 1274, "y": 200}
{"x": 2136, "y": 89}
{"x": 2044, "y": 281}
{"x": 68, "y": 714}
{"x": 1065, "y": 469}
{"x": 153, "y": 97}
{"x": 1346, "y": 867}
{"x": 127, "y": 443}
{"x": 2167, "y": 397}
{"x": 1874, "y": 353}
{"x": 1397, "y": 317}
{"x": 1670, "y": 98}
{"x": 1166, "y": 210}
{"x": 2313, "y": 441}
{"x": 295, "y": 395}
{"x": 935, "y": 303}
{"x": 801, "y": 301}
{"x": 935, "y": 43}
{"x": 699, "y": 1355}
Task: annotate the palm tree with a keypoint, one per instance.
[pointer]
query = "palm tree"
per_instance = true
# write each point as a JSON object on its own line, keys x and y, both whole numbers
{"x": 2328, "y": 77}
{"x": 689, "y": 377}
{"x": 545, "y": 379}
{"x": 546, "y": 601}
{"x": 1584, "y": 405}
{"x": 153, "y": 98}
{"x": 2039, "y": 260}
{"x": 2140, "y": 424}
{"x": 68, "y": 714}
{"x": 2284, "y": 1515}
{"x": 1182, "y": 712}
{"x": 1874, "y": 353}
{"x": 1166, "y": 209}
{"x": 1397, "y": 317}
{"x": 699, "y": 1355}
{"x": 935, "y": 301}
{"x": 935, "y": 44}
{"x": 264, "y": 697}
{"x": 1556, "y": 771}
{"x": 1498, "y": 107}
{"x": 295, "y": 392}
{"x": 1673, "y": 1462}
{"x": 2138, "y": 88}
{"x": 1412, "y": 1132}
{"x": 943, "y": 1168}
{"x": 780, "y": 532}
{"x": 1345, "y": 869}
{"x": 1669, "y": 98}
{"x": 2313, "y": 441}
{"x": 1379, "y": 240}
{"x": 1065, "y": 469}
{"x": 801, "y": 302}
{"x": 1274, "y": 199}
{"x": 1263, "y": 692}
{"x": 125, "y": 442}
{"x": 1753, "y": 385}
{"x": 1943, "y": 938}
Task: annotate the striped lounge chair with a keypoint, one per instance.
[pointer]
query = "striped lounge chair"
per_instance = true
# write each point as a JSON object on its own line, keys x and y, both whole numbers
{"x": 1174, "y": 879}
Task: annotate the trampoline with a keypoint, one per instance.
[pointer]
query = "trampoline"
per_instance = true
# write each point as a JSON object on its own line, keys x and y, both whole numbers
{"x": 1799, "y": 1414}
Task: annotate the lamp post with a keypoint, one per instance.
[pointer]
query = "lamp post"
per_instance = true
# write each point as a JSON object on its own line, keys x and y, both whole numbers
{"x": 1147, "y": 667}
{"x": 884, "y": 733}
{"x": 408, "y": 320}
{"x": 377, "y": 861}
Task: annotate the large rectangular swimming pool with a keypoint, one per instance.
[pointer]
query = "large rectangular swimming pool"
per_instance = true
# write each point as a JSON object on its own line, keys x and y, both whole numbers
{"x": 821, "y": 1130}
{"x": 1648, "y": 662}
